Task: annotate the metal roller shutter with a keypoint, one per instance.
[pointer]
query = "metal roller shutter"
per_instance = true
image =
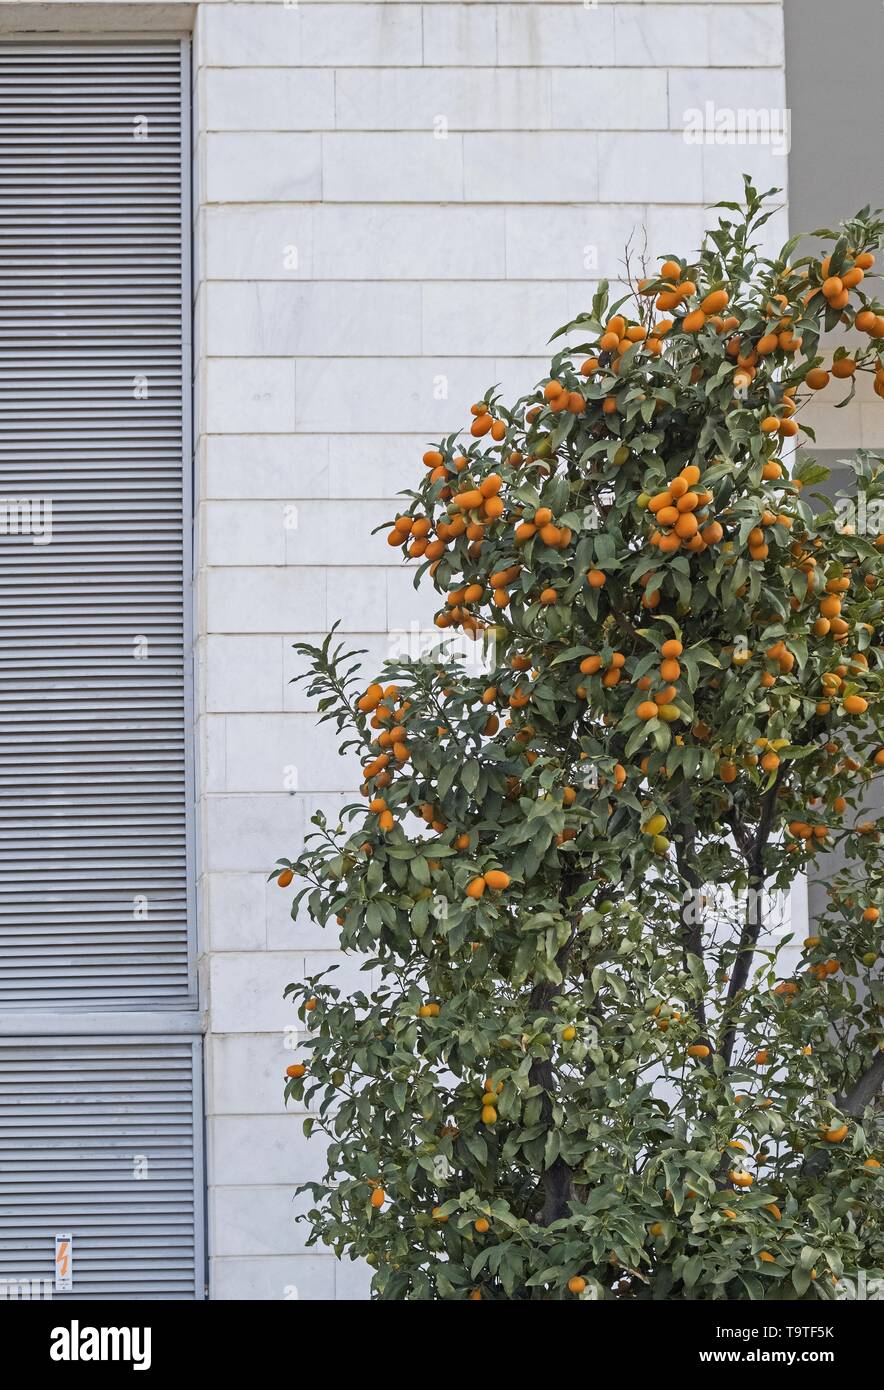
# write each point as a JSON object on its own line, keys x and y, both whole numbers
{"x": 98, "y": 1141}
{"x": 94, "y": 419}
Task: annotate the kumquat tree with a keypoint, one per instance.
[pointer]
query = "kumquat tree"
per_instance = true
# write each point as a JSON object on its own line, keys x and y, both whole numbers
{"x": 590, "y": 1066}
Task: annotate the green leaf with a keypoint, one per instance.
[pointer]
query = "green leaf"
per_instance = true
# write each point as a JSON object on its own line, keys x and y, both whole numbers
{"x": 469, "y": 775}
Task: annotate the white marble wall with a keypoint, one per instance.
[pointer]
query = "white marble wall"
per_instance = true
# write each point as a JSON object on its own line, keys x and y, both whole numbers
{"x": 424, "y": 270}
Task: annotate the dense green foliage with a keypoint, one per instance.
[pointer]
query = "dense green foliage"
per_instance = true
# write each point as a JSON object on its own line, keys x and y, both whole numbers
{"x": 585, "y": 1029}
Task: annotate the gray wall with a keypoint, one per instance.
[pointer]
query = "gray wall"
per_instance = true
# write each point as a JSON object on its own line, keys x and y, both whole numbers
{"x": 834, "y": 54}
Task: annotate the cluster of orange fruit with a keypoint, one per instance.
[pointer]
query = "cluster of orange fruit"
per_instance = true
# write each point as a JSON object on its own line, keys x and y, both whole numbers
{"x": 673, "y": 291}
{"x": 804, "y": 560}
{"x": 385, "y": 816}
{"x": 662, "y": 706}
{"x": 803, "y": 830}
{"x": 459, "y": 602}
{"x": 591, "y": 665}
{"x": 833, "y": 682}
{"x": 830, "y": 622}
{"x": 664, "y": 1014}
{"x": 786, "y": 989}
{"x": 778, "y": 338}
{"x": 490, "y": 1093}
{"x": 495, "y": 879}
{"x": 658, "y": 706}
{"x": 556, "y": 537}
{"x": 619, "y": 336}
{"x": 559, "y": 398}
{"x": 417, "y": 528}
{"x": 681, "y": 517}
{"x": 457, "y": 612}
{"x": 386, "y": 709}
{"x": 821, "y": 970}
{"x": 781, "y": 424}
{"x": 432, "y": 816}
{"x": 836, "y": 289}
{"x": 676, "y": 293}
{"x": 500, "y": 582}
{"x": 485, "y": 422}
{"x": 777, "y": 654}
{"x": 481, "y": 500}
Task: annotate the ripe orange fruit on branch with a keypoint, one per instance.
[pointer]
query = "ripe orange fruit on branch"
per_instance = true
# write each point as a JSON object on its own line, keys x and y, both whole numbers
{"x": 371, "y": 699}
{"x": 855, "y": 704}
{"x": 497, "y": 879}
{"x": 715, "y": 302}
{"x": 844, "y": 367}
{"x": 835, "y": 1134}
{"x": 740, "y": 1179}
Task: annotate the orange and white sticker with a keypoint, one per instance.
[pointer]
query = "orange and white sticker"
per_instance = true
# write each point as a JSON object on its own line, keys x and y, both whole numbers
{"x": 64, "y": 1263}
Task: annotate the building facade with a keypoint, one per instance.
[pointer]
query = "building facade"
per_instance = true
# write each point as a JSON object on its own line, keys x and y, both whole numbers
{"x": 385, "y": 208}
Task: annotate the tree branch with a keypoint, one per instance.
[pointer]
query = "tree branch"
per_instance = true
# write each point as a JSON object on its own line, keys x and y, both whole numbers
{"x": 556, "y": 1180}
{"x": 752, "y": 925}
{"x": 864, "y": 1091}
{"x": 691, "y": 924}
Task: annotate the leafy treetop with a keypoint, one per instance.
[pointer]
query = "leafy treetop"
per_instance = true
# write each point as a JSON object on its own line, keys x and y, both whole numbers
{"x": 573, "y": 1077}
